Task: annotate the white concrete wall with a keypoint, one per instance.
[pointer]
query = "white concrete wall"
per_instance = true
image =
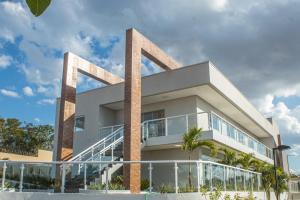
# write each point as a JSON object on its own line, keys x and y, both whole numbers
{"x": 97, "y": 116}
{"x": 238, "y": 99}
{"x": 174, "y": 107}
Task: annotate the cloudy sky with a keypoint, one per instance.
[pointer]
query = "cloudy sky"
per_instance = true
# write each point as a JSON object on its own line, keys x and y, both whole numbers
{"x": 254, "y": 43}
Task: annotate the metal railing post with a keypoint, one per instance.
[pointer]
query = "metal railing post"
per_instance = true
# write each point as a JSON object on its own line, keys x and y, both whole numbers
{"x": 3, "y": 176}
{"x": 106, "y": 180}
{"x": 93, "y": 153}
{"x": 209, "y": 121}
{"x": 198, "y": 177}
{"x": 63, "y": 178}
{"x": 187, "y": 123}
{"x": 21, "y": 177}
{"x": 112, "y": 152}
{"x": 244, "y": 175}
{"x": 166, "y": 127}
{"x": 235, "y": 186}
{"x": 176, "y": 177}
{"x": 258, "y": 182}
{"x": 100, "y": 165}
{"x": 150, "y": 177}
{"x": 210, "y": 181}
{"x": 84, "y": 177}
{"x": 147, "y": 129}
{"x": 79, "y": 165}
{"x": 224, "y": 176}
{"x": 251, "y": 181}
{"x": 143, "y": 132}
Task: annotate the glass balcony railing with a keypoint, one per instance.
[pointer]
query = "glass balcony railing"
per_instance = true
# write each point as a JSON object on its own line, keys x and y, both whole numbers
{"x": 177, "y": 125}
{"x": 225, "y": 128}
{"x": 19, "y": 176}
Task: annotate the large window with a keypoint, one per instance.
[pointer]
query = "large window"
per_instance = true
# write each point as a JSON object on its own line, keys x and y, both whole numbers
{"x": 230, "y": 131}
{"x": 79, "y": 123}
{"x": 241, "y": 137}
{"x": 216, "y": 123}
{"x": 225, "y": 128}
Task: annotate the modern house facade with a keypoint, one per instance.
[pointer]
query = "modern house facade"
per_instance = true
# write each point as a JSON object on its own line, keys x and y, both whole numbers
{"x": 173, "y": 102}
{"x": 139, "y": 119}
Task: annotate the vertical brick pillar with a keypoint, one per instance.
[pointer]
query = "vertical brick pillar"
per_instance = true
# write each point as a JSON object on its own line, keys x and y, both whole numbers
{"x": 132, "y": 111}
{"x": 67, "y": 109}
{"x": 64, "y": 150}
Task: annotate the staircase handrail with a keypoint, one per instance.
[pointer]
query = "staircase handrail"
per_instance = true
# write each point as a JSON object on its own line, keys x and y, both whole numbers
{"x": 96, "y": 144}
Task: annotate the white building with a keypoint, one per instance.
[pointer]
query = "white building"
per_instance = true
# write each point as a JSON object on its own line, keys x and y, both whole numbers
{"x": 172, "y": 102}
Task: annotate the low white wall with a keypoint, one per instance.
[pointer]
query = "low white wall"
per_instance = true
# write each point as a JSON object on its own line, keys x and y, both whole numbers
{"x": 98, "y": 196}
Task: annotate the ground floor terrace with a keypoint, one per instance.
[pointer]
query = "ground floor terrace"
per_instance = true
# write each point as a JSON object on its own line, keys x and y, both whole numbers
{"x": 167, "y": 176}
{"x": 164, "y": 179}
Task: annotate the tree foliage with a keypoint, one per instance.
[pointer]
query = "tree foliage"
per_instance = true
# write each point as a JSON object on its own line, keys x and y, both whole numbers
{"x": 24, "y": 138}
{"x": 192, "y": 141}
{"x": 282, "y": 182}
{"x": 246, "y": 160}
{"x": 229, "y": 157}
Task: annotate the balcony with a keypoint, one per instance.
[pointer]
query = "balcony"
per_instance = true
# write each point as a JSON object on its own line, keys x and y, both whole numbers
{"x": 214, "y": 127}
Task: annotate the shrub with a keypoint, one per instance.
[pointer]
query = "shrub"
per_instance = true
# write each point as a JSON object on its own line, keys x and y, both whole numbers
{"x": 187, "y": 189}
{"x": 165, "y": 189}
{"x": 145, "y": 184}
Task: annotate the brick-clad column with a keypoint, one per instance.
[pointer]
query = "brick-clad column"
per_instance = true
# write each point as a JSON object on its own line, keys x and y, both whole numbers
{"x": 67, "y": 109}
{"x": 72, "y": 65}
{"x": 64, "y": 150}
{"x": 132, "y": 111}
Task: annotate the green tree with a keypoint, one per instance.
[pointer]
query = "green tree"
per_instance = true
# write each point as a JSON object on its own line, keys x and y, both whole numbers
{"x": 192, "y": 141}
{"x": 24, "y": 138}
{"x": 229, "y": 157}
{"x": 282, "y": 182}
{"x": 267, "y": 178}
{"x": 11, "y": 131}
{"x": 257, "y": 165}
{"x": 246, "y": 160}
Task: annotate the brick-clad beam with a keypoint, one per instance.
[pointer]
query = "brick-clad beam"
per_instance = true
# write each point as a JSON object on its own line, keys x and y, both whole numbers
{"x": 136, "y": 46}
{"x": 72, "y": 65}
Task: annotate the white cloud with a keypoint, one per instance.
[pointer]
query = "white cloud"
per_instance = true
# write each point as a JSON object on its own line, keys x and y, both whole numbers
{"x": 5, "y": 61}
{"x": 295, "y": 150}
{"x": 28, "y": 91}
{"x": 9, "y": 93}
{"x": 287, "y": 119}
{"x": 46, "y": 101}
{"x": 37, "y": 119}
{"x": 218, "y": 5}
